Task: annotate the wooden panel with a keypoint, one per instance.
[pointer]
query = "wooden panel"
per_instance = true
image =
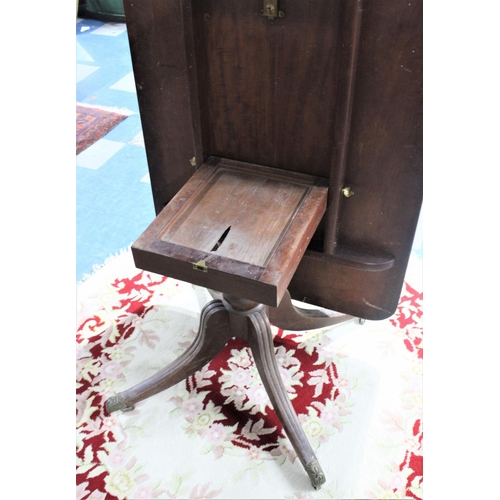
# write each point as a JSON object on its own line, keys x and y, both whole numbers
{"x": 267, "y": 87}
{"x": 164, "y": 92}
{"x": 384, "y": 167}
{"x": 271, "y": 215}
{"x": 230, "y": 216}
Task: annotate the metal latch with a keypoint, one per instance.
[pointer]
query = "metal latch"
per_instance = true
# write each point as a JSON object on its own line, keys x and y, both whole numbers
{"x": 200, "y": 266}
{"x": 271, "y": 9}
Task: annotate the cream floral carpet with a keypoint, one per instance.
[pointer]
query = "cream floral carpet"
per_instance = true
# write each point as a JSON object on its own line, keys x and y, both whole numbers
{"x": 356, "y": 388}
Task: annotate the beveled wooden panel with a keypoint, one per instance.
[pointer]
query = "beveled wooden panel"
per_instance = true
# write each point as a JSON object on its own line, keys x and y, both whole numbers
{"x": 236, "y": 228}
{"x": 231, "y": 216}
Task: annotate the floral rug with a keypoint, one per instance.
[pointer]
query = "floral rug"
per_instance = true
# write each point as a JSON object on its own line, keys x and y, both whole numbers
{"x": 92, "y": 124}
{"x": 356, "y": 388}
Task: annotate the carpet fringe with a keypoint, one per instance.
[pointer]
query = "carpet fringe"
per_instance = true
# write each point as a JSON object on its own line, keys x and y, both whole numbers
{"x": 97, "y": 267}
{"x": 111, "y": 109}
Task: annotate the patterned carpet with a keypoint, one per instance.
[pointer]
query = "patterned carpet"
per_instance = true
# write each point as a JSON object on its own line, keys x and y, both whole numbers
{"x": 356, "y": 388}
{"x": 92, "y": 124}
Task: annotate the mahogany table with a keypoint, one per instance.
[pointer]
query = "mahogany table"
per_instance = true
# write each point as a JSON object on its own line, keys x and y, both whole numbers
{"x": 284, "y": 144}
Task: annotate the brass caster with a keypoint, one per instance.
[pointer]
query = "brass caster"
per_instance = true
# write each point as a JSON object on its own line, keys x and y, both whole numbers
{"x": 316, "y": 474}
{"x": 115, "y": 403}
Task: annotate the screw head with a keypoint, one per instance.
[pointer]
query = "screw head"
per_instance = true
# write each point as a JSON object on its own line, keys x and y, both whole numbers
{"x": 270, "y": 8}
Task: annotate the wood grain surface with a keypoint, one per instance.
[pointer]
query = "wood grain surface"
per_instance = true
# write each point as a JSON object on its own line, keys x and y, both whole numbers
{"x": 333, "y": 89}
{"x": 237, "y": 228}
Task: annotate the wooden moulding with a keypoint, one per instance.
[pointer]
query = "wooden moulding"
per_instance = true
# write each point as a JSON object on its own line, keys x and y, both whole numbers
{"x": 237, "y": 228}
{"x": 355, "y": 258}
{"x": 352, "y": 13}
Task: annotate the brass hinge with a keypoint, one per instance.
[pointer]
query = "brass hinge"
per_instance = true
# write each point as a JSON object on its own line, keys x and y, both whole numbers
{"x": 271, "y": 9}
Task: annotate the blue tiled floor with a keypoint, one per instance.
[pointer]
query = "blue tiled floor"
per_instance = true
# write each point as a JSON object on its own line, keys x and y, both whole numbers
{"x": 114, "y": 203}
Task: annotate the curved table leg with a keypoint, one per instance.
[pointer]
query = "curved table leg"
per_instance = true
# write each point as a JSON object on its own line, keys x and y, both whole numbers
{"x": 290, "y": 317}
{"x": 213, "y": 334}
{"x": 261, "y": 342}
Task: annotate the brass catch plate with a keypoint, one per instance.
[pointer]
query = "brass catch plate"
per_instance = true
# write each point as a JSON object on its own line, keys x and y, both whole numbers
{"x": 200, "y": 266}
{"x": 271, "y": 9}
